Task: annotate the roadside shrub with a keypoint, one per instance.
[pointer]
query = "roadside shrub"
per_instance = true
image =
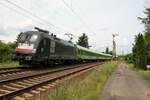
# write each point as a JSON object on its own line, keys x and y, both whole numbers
{"x": 5, "y": 51}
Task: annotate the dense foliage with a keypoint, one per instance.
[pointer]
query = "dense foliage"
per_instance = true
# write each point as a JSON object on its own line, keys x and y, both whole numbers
{"x": 107, "y": 51}
{"x": 146, "y": 22}
{"x": 83, "y": 41}
{"x": 139, "y": 52}
{"x": 141, "y": 48}
{"x": 129, "y": 58}
{"x": 5, "y": 51}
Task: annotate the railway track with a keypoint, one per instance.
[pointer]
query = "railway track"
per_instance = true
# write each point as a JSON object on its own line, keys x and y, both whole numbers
{"x": 8, "y": 70}
{"x": 11, "y": 86}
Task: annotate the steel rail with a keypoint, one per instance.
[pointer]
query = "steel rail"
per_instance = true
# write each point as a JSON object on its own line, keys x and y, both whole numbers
{"x": 35, "y": 73}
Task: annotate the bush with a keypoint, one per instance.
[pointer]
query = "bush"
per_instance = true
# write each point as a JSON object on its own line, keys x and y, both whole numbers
{"x": 129, "y": 58}
{"x": 5, "y": 51}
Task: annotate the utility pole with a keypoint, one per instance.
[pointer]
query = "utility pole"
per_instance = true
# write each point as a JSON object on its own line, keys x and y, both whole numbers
{"x": 114, "y": 47}
{"x": 70, "y": 36}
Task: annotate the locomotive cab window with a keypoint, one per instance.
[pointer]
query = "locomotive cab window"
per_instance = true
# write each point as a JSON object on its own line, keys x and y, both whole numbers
{"x": 24, "y": 37}
{"x": 33, "y": 38}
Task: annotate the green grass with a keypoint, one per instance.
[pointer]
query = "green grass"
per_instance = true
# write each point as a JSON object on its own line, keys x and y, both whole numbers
{"x": 144, "y": 73}
{"x": 88, "y": 88}
{"x": 9, "y": 64}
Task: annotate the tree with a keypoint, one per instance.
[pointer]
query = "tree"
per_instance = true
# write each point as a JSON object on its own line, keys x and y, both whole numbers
{"x": 139, "y": 52}
{"x": 129, "y": 58}
{"x": 107, "y": 50}
{"x": 12, "y": 45}
{"x": 146, "y": 22}
{"x": 5, "y": 51}
{"x": 83, "y": 41}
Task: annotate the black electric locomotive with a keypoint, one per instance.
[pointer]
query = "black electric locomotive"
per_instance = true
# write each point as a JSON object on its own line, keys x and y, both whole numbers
{"x": 38, "y": 47}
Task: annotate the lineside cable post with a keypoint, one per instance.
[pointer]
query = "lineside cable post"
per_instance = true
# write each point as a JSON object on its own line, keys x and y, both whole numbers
{"x": 114, "y": 47}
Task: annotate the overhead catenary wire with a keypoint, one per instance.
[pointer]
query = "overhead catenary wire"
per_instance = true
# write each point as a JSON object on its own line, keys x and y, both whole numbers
{"x": 35, "y": 16}
{"x": 80, "y": 18}
{"x": 42, "y": 21}
{"x": 18, "y": 12}
{"x": 29, "y": 13}
{"x": 47, "y": 22}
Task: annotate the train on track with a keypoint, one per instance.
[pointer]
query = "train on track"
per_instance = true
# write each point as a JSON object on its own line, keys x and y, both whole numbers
{"x": 39, "y": 47}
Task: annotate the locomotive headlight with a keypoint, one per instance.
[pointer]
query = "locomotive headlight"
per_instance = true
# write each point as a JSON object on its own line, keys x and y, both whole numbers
{"x": 34, "y": 50}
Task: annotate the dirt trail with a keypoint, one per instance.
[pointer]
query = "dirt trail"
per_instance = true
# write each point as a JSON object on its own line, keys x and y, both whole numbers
{"x": 125, "y": 84}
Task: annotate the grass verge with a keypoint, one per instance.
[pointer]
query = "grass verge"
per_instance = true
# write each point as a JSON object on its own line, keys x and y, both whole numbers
{"x": 9, "y": 64}
{"x": 88, "y": 88}
{"x": 144, "y": 73}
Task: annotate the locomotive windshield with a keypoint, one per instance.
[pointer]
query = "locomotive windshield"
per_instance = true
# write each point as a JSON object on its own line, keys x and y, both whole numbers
{"x": 33, "y": 38}
{"x": 27, "y": 37}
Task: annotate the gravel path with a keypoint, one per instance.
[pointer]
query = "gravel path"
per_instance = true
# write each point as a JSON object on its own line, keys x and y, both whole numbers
{"x": 125, "y": 84}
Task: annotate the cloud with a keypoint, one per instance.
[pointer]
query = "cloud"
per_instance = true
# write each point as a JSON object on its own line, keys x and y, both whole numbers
{"x": 26, "y": 28}
{"x": 105, "y": 29}
{"x": 9, "y": 34}
{"x": 3, "y": 32}
{"x": 147, "y": 3}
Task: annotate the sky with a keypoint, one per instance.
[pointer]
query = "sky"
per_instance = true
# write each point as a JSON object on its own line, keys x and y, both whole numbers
{"x": 99, "y": 19}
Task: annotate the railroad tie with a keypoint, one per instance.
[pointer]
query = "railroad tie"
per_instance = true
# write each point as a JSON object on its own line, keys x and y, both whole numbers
{"x": 9, "y": 87}
{"x": 24, "y": 83}
{"x": 35, "y": 92}
{"x": 46, "y": 87}
{"x": 28, "y": 81}
{"x": 34, "y": 80}
{"x": 17, "y": 85}
{"x": 54, "y": 83}
{"x": 9, "y": 74}
{"x": 38, "y": 79}
{"x": 41, "y": 89}
{"x": 3, "y": 75}
{"x": 5, "y": 91}
{"x": 27, "y": 95}
{"x": 51, "y": 85}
